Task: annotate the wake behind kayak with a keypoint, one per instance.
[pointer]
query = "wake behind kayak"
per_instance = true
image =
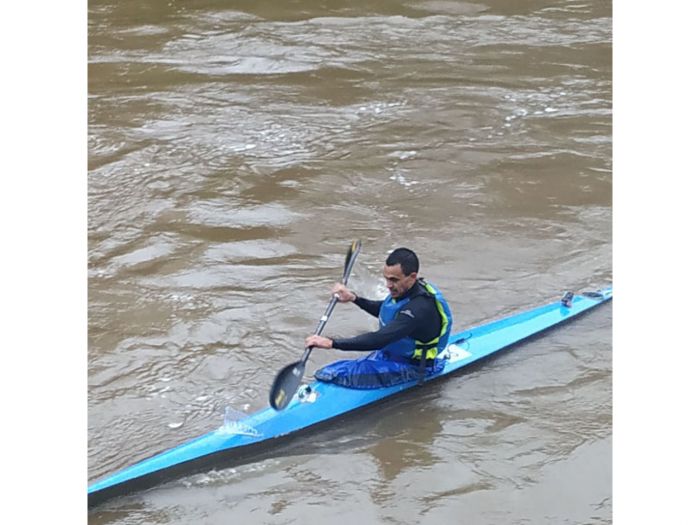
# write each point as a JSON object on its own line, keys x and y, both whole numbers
{"x": 318, "y": 403}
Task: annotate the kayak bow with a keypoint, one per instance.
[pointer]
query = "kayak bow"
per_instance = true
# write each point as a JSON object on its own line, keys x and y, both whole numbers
{"x": 318, "y": 403}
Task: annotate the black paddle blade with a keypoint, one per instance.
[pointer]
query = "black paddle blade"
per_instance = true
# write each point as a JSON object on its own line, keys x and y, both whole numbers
{"x": 351, "y": 249}
{"x": 286, "y": 384}
{"x": 350, "y": 257}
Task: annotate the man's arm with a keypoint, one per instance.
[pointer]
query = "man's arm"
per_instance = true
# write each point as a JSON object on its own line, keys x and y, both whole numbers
{"x": 344, "y": 295}
{"x": 410, "y": 319}
{"x": 368, "y": 305}
{"x": 400, "y": 327}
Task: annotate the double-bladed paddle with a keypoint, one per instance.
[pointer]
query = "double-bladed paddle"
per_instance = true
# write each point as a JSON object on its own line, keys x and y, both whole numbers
{"x": 289, "y": 378}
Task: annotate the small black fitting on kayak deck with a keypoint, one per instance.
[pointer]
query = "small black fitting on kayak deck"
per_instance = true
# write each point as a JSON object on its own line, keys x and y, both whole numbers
{"x": 567, "y": 299}
{"x": 304, "y": 391}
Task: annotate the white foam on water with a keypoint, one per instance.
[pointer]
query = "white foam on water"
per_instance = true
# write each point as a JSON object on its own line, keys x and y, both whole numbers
{"x": 234, "y": 426}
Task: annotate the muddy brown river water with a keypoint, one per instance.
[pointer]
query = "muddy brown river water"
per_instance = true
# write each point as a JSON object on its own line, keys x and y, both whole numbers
{"x": 236, "y": 148}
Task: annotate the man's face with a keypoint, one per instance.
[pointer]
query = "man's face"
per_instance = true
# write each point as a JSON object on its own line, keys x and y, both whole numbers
{"x": 398, "y": 283}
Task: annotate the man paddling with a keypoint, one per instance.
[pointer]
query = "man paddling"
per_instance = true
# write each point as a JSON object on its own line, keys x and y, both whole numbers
{"x": 414, "y": 326}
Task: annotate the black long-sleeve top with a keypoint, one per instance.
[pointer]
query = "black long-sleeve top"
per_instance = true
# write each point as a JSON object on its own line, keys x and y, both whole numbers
{"x": 419, "y": 318}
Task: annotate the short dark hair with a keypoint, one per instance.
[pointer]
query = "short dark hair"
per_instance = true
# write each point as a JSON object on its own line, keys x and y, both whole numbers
{"x": 406, "y": 258}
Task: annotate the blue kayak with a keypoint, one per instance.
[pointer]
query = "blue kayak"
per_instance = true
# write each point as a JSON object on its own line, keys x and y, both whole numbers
{"x": 318, "y": 403}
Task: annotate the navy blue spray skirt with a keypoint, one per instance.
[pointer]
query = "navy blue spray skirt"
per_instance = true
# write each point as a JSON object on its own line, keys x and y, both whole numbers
{"x": 374, "y": 371}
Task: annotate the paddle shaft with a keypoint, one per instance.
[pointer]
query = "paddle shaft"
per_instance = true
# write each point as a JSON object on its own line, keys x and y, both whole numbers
{"x": 329, "y": 309}
{"x": 289, "y": 378}
{"x": 321, "y": 325}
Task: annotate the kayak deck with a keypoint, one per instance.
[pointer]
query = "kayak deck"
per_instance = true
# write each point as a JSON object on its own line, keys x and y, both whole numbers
{"x": 320, "y": 402}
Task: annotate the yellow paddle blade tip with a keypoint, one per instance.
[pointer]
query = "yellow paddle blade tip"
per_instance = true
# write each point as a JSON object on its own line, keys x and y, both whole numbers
{"x": 281, "y": 395}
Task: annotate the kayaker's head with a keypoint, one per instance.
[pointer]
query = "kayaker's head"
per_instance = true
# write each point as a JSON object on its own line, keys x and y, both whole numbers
{"x": 400, "y": 271}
